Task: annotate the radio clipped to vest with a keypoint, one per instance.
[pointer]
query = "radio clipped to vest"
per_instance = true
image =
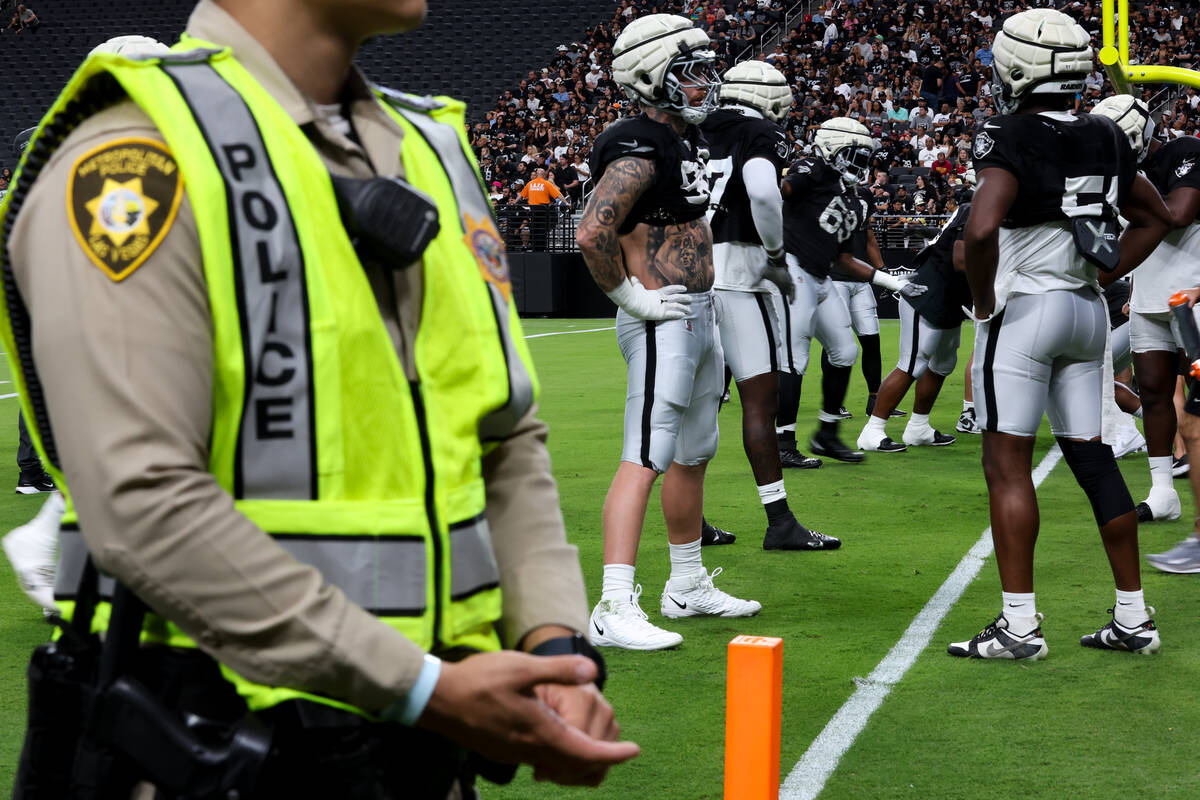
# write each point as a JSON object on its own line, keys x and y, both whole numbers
{"x": 388, "y": 220}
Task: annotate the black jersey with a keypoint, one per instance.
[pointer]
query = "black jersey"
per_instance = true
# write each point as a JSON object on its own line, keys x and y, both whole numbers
{"x": 680, "y": 190}
{"x": 733, "y": 139}
{"x": 1175, "y": 165}
{"x": 947, "y": 291}
{"x": 819, "y": 215}
{"x": 1069, "y": 167}
{"x": 858, "y": 242}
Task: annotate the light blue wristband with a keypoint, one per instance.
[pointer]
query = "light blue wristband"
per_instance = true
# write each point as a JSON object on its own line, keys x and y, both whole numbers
{"x": 408, "y": 710}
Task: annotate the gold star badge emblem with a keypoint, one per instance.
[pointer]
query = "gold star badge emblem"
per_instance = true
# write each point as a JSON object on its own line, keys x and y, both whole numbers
{"x": 122, "y": 200}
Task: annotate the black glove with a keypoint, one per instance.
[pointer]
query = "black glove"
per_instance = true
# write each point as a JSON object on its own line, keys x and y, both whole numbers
{"x": 777, "y": 273}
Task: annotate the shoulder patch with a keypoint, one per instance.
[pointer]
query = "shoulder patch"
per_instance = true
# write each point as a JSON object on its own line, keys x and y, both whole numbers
{"x": 983, "y": 144}
{"x": 783, "y": 148}
{"x": 122, "y": 199}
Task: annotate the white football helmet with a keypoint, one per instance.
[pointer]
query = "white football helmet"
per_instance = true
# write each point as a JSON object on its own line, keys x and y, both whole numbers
{"x": 657, "y": 55}
{"x": 847, "y": 145}
{"x": 131, "y": 46}
{"x": 1039, "y": 51}
{"x": 1132, "y": 116}
{"x": 757, "y": 85}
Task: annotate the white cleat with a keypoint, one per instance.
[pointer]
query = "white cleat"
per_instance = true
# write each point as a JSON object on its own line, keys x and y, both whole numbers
{"x": 622, "y": 623}
{"x": 1161, "y": 504}
{"x": 32, "y": 551}
{"x": 696, "y": 596}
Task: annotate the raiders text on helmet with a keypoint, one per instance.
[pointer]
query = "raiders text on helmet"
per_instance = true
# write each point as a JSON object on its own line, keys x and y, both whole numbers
{"x": 847, "y": 146}
{"x": 1132, "y": 116}
{"x": 656, "y": 56}
{"x": 1039, "y": 51}
{"x": 757, "y": 85}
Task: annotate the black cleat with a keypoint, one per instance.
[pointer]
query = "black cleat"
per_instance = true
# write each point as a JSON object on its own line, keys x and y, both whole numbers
{"x": 894, "y": 413}
{"x": 35, "y": 484}
{"x": 794, "y": 459}
{"x": 1179, "y": 466}
{"x": 1144, "y": 513}
{"x": 711, "y": 535}
{"x": 1141, "y": 639}
{"x": 791, "y": 535}
{"x": 828, "y": 444}
{"x": 942, "y": 439}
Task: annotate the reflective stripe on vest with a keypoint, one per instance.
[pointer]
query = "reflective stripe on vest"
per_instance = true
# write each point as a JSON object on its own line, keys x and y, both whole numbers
{"x": 445, "y": 143}
{"x": 277, "y": 442}
{"x": 386, "y": 576}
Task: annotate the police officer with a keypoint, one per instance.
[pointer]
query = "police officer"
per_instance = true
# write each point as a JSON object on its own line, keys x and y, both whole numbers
{"x": 317, "y": 465}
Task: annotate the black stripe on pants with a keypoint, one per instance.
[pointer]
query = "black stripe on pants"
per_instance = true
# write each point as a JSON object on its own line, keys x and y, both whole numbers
{"x": 648, "y": 393}
{"x": 762, "y": 309}
{"x": 989, "y": 383}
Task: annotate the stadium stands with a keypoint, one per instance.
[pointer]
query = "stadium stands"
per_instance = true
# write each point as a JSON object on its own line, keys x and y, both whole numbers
{"x": 468, "y": 48}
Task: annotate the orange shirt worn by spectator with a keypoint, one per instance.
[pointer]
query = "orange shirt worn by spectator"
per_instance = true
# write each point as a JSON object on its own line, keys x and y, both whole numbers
{"x": 540, "y": 190}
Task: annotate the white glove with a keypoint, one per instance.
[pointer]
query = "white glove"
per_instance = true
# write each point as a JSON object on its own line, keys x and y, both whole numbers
{"x": 669, "y": 302}
{"x": 894, "y": 284}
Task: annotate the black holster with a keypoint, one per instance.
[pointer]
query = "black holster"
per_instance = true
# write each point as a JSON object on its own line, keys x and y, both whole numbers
{"x": 99, "y": 723}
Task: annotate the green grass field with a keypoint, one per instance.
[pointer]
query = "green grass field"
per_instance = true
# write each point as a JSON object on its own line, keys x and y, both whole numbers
{"x": 1082, "y": 724}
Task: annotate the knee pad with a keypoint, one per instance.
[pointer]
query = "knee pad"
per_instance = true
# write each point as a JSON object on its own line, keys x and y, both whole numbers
{"x": 1095, "y": 470}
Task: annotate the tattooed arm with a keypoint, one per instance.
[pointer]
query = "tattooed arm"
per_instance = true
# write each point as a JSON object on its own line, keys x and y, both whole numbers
{"x": 605, "y": 252}
{"x": 619, "y": 188}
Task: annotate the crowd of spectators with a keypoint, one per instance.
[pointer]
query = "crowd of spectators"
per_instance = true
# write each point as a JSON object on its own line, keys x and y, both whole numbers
{"x": 916, "y": 73}
{"x": 23, "y": 19}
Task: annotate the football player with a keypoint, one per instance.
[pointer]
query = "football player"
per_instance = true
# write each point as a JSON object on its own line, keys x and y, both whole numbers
{"x": 1174, "y": 169}
{"x": 930, "y": 328}
{"x": 821, "y": 210}
{"x": 647, "y": 243}
{"x": 1043, "y": 223}
{"x": 747, "y": 151}
{"x": 859, "y": 298}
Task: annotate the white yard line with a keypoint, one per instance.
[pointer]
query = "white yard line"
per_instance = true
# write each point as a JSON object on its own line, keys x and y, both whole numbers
{"x": 6, "y": 396}
{"x": 563, "y": 333}
{"x": 808, "y": 777}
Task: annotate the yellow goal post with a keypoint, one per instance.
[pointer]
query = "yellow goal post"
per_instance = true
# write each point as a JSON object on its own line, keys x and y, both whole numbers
{"x": 1114, "y": 55}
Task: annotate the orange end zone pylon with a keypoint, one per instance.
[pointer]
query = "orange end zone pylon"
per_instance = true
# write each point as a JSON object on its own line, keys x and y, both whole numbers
{"x": 753, "y": 708}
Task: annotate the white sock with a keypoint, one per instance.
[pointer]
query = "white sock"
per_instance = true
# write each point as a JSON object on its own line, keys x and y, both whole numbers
{"x": 786, "y": 428}
{"x": 685, "y": 559}
{"x": 772, "y": 492}
{"x": 968, "y": 405}
{"x": 1160, "y": 472}
{"x": 1130, "y": 609}
{"x": 618, "y": 582}
{"x": 1020, "y": 610}
{"x": 918, "y": 420}
{"x": 875, "y": 425}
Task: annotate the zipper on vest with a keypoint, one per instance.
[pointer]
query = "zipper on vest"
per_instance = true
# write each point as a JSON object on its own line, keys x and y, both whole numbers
{"x": 430, "y": 508}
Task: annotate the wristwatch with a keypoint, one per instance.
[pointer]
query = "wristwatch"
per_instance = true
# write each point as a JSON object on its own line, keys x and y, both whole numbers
{"x": 575, "y": 645}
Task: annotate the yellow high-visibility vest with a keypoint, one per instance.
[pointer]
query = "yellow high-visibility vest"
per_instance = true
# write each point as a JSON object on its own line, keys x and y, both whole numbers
{"x": 318, "y": 434}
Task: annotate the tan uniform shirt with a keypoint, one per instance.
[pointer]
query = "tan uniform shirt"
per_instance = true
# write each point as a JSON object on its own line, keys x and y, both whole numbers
{"x": 127, "y": 370}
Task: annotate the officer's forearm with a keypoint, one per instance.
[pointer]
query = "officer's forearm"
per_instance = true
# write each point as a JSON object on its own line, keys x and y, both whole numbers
{"x": 540, "y": 578}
